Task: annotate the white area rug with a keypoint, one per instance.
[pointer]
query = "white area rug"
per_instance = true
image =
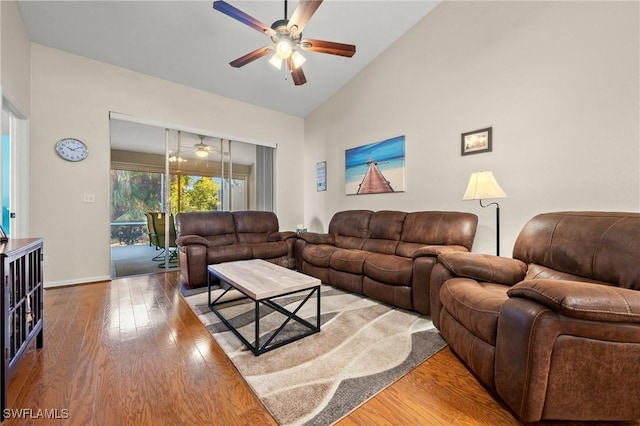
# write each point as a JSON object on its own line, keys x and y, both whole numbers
{"x": 363, "y": 347}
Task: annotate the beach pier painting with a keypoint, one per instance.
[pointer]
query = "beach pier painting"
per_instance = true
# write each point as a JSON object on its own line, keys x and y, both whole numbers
{"x": 375, "y": 168}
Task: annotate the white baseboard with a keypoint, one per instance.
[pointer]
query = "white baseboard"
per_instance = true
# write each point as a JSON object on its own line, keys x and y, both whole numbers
{"x": 87, "y": 280}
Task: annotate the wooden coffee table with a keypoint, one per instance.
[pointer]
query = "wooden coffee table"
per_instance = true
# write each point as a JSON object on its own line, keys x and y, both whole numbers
{"x": 264, "y": 282}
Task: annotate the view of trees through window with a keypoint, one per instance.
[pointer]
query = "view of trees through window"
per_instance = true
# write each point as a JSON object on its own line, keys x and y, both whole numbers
{"x": 134, "y": 193}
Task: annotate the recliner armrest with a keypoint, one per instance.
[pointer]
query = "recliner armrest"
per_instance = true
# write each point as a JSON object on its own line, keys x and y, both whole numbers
{"x": 281, "y": 236}
{"x": 582, "y": 300}
{"x": 437, "y": 250}
{"x": 186, "y": 240}
{"x": 315, "y": 238}
{"x": 484, "y": 267}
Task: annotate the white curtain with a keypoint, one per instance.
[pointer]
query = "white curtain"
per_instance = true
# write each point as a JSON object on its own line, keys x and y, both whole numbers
{"x": 265, "y": 178}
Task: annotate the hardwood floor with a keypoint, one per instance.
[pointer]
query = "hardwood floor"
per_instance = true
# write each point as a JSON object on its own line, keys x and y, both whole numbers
{"x": 131, "y": 352}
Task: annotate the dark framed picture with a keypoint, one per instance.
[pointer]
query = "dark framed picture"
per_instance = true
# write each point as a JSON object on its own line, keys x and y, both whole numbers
{"x": 3, "y": 236}
{"x": 476, "y": 142}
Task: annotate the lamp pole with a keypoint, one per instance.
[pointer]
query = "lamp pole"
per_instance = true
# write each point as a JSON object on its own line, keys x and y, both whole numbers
{"x": 497, "y": 225}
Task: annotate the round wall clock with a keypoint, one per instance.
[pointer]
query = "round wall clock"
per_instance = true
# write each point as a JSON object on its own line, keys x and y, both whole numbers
{"x": 72, "y": 149}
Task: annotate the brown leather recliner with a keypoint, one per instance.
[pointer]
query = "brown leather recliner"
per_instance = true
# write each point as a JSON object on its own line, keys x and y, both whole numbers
{"x": 555, "y": 331}
{"x": 206, "y": 238}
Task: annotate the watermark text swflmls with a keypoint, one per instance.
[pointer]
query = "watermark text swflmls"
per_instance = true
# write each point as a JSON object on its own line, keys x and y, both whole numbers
{"x": 35, "y": 413}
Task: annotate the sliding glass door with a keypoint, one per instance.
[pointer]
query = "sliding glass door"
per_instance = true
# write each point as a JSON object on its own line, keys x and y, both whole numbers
{"x": 158, "y": 172}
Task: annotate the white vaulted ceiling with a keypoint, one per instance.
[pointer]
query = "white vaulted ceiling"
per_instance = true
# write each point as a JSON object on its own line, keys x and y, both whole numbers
{"x": 190, "y": 43}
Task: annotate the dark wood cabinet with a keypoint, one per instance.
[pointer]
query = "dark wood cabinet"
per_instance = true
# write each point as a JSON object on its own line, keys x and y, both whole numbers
{"x": 22, "y": 305}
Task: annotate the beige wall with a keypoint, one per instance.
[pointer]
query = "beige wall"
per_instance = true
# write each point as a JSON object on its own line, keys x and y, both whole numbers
{"x": 15, "y": 57}
{"x": 558, "y": 81}
{"x": 72, "y": 97}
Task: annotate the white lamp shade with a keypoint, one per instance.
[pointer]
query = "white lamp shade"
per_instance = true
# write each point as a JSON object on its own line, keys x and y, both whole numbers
{"x": 297, "y": 59}
{"x": 276, "y": 61}
{"x": 483, "y": 185}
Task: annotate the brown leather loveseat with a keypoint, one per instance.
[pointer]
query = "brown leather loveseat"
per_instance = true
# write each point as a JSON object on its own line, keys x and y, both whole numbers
{"x": 206, "y": 238}
{"x": 555, "y": 331}
{"x": 386, "y": 255}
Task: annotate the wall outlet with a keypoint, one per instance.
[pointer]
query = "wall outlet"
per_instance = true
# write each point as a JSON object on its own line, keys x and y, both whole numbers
{"x": 89, "y": 198}
{"x": 45, "y": 260}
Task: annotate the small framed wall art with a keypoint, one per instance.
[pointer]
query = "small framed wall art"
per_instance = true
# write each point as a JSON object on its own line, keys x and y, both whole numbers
{"x": 321, "y": 176}
{"x": 476, "y": 142}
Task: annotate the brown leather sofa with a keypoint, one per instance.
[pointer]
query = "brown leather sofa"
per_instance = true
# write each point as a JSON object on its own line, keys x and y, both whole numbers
{"x": 555, "y": 330}
{"x": 386, "y": 255}
{"x": 206, "y": 238}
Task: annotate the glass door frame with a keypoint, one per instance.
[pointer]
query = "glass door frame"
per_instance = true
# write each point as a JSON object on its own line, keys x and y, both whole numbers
{"x": 171, "y": 129}
{"x": 19, "y": 169}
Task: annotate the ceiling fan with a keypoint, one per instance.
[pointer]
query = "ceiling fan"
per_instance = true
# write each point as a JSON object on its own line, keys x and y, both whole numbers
{"x": 201, "y": 149}
{"x": 286, "y": 35}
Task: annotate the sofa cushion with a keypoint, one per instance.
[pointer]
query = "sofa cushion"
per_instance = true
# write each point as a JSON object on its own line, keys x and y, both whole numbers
{"x": 439, "y": 228}
{"x": 349, "y": 260}
{"x": 385, "y": 229}
{"x": 208, "y": 224}
{"x": 380, "y": 246}
{"x": 269, "y": 250}
{"x": 254, "y": 226}
{"x": 350, "y": 228}
{"x": 351, "y": 223}
{"x": 389, "y": 269}
{"x": 386, "y": 225}
{"x": 563, "y": 241}
{"x": 318, "y": 255}
{"x": 476, "y": 305}
{"x": 228, "y": 253}
{"x": 349, "y": 242}
{"x": 221, "y": 240}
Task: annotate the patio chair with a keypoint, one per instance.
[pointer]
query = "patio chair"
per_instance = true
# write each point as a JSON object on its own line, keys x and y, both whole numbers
{"x": 159, "y": 229}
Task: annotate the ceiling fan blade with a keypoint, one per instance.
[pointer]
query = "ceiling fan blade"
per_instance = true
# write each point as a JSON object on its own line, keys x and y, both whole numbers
{"x": 251, "y": 56}
{"x": 296, "y": 73}
{"x": 239, "y": 15}
{"x": 329, "y": 47}
{"x": 304, "y": 11}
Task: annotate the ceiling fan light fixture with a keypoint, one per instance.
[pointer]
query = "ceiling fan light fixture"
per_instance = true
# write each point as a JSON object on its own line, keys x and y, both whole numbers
{"x": 202, "y": 153}
{"x": 276, "y": 61}
{"x": 297, "y": 59}
{"x": 284, "y": 47}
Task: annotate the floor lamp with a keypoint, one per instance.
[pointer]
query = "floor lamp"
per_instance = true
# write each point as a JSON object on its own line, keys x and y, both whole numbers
{"x": 483, "y": 185}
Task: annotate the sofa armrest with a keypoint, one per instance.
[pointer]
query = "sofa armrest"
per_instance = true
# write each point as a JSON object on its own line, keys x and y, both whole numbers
{"x": 281, "y": 236}
{"x": 484, "y": 267}
{"x": 434, "y": 251}
{"x": 186, "y": 240}
{"x": 315, "y": 238}
{"x": 595, "y": 302}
